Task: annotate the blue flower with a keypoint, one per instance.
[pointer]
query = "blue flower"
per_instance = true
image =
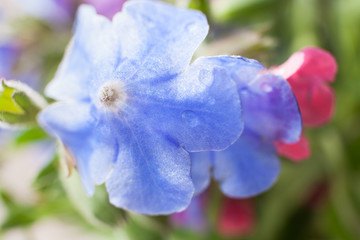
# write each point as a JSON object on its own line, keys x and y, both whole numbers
{"x": 131, "y": 107}
{"x": 270, "y": 113}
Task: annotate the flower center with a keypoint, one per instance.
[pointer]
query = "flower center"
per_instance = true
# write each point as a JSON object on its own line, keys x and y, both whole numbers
{"x": 112, "y": 96}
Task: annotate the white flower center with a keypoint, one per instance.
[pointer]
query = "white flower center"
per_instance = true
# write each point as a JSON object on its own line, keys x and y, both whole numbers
{"x": 112, "y": 96}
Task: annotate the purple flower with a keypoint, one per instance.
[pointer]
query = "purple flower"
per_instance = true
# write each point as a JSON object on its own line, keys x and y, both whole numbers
{"x": 107, "y": 8}
{"x": 270, "y": 113}
{"x": 131, "y": 107}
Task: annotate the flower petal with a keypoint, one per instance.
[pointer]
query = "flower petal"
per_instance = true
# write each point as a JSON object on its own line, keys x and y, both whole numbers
{"x": 316, "y": 100}
{"x": 241, "y": 70}
{"x": 71, "y": 122}
{"x": 236, "y": 217}
{"x": 318, "y": 62}
{"x": 270, "y": 109}
{"x": 89, "y": 140}
{"x": 91, "y": 55}
{"x": 103, "y": 150}
{"x": 151, "y": 175}
{"x": 246, "y": 168}
{"x": 296, "y": 151}
{"x": 201, "y": 165}
{"x": 200, "y": 110}
{"x": 310, "y": 61}
{"x": 157, "y": 40}
{"x": 62, "y": 119}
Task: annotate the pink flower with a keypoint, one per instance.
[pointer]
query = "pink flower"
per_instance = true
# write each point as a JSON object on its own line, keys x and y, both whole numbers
{"x": 308, "y": 72}
{"x": 236, "y": 217}
{"x": 296, "y": 151}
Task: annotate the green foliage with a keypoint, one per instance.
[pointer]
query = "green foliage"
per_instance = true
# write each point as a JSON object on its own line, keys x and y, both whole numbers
{"x": 7, "y": 103}
{"x": 19, "y": 104}
{"x": 52, "y": 202}
{"x": 30, "y": 135}
{"x": 142, "y": 227}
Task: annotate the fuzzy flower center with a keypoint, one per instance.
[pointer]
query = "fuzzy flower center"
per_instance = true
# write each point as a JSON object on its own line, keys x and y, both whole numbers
{"x": 112, "y": 96}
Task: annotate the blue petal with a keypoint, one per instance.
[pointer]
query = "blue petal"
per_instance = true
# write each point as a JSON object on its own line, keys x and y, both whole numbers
{"x": 151, "y": 175}
{"x": 71, "y": 122}
{"x": 96, "y": 39}
{"x": 91, "y": 56}
{"x": 103, "y": 149}
{"x": 248, "y": 167}
{"x": 157, "y": 40}
{"x": 270, "y": 109}
{"x": 63, "y": 119}
{"x": 201, "y": 166}
{"x": 200, "y": 110}
{"x": 241, "y": 70}
{"x": 89, "y": 140}
{"x": 137, "y": 46}
{"x": 269, "y": 106}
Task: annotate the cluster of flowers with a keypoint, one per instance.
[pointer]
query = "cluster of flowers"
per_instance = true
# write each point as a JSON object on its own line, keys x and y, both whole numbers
{"x": 133, "y": 112}
{"x": 307, "y": 71}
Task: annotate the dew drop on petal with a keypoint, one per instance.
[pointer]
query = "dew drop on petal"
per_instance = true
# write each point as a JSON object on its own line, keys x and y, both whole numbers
{"x": 191, "y": 27}
{"x": 266, "y": 87}
{"x": 190, "y": 118}
{"x": 211, "y": 101}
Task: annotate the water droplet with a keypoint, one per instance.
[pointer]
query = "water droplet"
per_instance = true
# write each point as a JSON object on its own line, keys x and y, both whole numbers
{"x": 190, "y": 118}
{"x": 191, "y": 27}
{"x": 266, "y": 87}
{"x": 211, "y": 101}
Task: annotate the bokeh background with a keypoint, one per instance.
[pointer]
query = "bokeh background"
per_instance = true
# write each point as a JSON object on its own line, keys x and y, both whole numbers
{"x": 318, "y": 198}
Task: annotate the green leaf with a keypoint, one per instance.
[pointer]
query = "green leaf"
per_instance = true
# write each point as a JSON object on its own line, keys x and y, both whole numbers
{"x": 19, "y": 104}
{"x": 30, "y": 135}
{"x": 7, "y": 103}
{"x": 48, "y": 177}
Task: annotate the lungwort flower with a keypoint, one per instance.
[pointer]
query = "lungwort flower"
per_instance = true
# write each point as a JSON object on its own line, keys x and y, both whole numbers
{"x": 308, "y": 72}
{"x": 131, "y": 107}
{"x": 237, "y": 217}
{"x": 270, "y": 113}
{"x": 234, "y": 218}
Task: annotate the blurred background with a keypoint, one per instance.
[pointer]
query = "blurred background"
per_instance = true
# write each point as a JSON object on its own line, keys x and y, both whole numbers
{"x": 318, "y": 198}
